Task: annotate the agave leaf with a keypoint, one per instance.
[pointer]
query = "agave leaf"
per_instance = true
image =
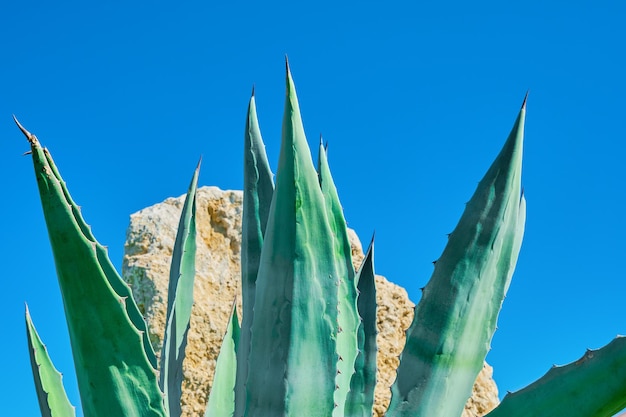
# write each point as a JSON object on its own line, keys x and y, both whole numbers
{"x": 456, "y": 317}
{"x": 593, "y": 386}
{"x": 119, "y": 286}
{"x": 179, "y": 303}
{"x": 118, "y": 378}
{"x": 222, "y": 397}
{"x": 360, "y": 400}
{"x": 53, "y": 401}
{"x": 347, "y": 317}
{"x": 295, "y": 311}
{"x": 257, "y": 197}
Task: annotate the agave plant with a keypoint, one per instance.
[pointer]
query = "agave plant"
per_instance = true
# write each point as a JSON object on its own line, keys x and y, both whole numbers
{"x": 306, "y": 345}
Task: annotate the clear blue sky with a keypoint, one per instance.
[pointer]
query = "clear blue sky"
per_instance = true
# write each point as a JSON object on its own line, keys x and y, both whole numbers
{"x": 415, "y": 101}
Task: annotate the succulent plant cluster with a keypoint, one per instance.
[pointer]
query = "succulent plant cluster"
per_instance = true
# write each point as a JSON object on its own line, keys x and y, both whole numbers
{"x": 306, "y": 345}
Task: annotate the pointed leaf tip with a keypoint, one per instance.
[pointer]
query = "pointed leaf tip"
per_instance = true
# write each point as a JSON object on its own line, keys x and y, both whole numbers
{"x": 252, "y": 94}
{"x": 48, "y": 380}
{"x": 291, "y": 88}
{"x": 287, "y": 68}
{"x": 31, "y": 138}
{"x": 525, "y": 98}
{"x": 199, "y": 163}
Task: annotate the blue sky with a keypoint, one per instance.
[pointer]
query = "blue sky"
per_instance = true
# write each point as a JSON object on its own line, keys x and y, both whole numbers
{"x": 415, "y": 101}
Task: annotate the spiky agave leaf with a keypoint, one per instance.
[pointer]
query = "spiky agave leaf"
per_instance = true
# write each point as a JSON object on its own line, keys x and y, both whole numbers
{"x": 593, "y": 386}
{"x": 179, "y": 302}
{"x": 347, "y": 317}
{"x": 456, "y": 317}
{"x": 295, "y": 311}
{"x": 53, "y": 401}
{"x": 222, "y": 397}
{"x": 257, "y": 197}
{"x": 118, "y": 378}
{"x": 360, "y": 399}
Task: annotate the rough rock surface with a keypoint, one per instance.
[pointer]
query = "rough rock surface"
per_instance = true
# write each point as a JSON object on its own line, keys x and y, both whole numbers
{"x": 149, "y": 242}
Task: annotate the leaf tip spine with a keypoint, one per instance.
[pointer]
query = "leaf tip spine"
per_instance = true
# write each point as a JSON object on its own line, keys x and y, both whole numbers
{"x": 31, "y": 138}
{"x": 525, "y": 99}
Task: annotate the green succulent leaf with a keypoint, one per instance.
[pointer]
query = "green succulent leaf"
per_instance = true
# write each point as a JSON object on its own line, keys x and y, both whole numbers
{"x": 456, "y": 317}
{"x": 360, "y": 400}
{"x": 295, "y": 311}
{"x": 118, "y": 378}
{"x": 53, "y": 401}
{"x": 179, "y": 303}
{"x": 222, "y": 397}
{"x": 257, "y": 198}
{"x": 307, "y": 341}
{"x": 347, "y": 317}
{"x": 593, "y": 386}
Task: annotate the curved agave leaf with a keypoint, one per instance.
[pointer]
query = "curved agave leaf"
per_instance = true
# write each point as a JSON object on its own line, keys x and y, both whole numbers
{"x": 118, "y": 378}
{"x": 360, "y": 400}
{"x": 593, "y": 386}
{"x": 456, "y": 317}
{"x": 295, "y": 311}
{"x": 222, "y": 397}
{"x": 179, "y": 303}
{"x": 347, "y": 317}
{"x": 257, "y": 198}
{"x": 53, "y": 401}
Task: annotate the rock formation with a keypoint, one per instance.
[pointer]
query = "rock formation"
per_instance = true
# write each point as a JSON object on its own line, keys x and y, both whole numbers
{"x": 148, "y": 249}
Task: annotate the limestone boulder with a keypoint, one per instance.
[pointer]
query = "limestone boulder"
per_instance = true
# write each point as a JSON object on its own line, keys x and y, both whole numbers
{"x": 147, "y": 253}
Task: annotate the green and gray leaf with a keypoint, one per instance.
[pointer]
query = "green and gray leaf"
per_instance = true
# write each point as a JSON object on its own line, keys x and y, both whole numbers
{"x": 53, "y": 401}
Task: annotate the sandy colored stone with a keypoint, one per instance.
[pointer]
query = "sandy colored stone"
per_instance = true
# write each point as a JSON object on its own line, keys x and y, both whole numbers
{"x": 148, "y": 249}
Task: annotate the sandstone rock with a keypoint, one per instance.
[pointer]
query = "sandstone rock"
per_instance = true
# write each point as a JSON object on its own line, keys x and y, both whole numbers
{"x": 149, "y": 242}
